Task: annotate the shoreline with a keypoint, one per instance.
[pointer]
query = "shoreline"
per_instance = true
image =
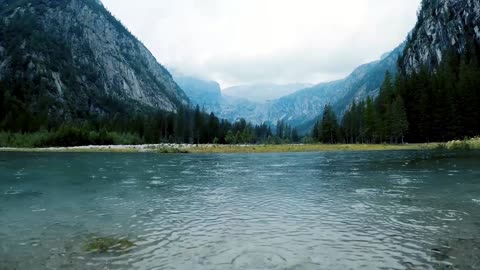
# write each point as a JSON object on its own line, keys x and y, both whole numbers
{"x": 223, "y": 149}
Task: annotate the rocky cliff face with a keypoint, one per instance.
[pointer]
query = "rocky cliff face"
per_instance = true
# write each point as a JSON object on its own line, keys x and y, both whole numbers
{"x": 442, "y": 25}
{"x": 80, "y": 60}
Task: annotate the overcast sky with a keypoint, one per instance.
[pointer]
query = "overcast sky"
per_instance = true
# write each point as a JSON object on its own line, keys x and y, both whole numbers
{"x": 281, "y": 41}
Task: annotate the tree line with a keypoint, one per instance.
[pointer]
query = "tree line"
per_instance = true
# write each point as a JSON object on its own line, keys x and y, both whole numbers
{"x": 187, "y": 125}
{"x": 423, "y": 106}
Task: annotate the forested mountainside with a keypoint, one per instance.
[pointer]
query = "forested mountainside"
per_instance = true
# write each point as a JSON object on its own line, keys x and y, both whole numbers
{"x": 63, "y": 60}
{"x": 441, "y": 90}
{"x": 302, "y": 109}
{"x": 436, "y": 94}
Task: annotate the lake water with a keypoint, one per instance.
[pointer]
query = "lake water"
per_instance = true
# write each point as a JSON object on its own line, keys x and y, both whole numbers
{"x": 339, "y": 210}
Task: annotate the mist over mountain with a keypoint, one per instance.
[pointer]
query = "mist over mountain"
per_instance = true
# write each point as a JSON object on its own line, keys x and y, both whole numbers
{"x": 300, "y": 108}
{"x": 98, "y": 67}
{"x": 263, "y": 92}
{"x": 201, "y": 92}
{"x": 208, "y": 95}
{"x": 442, "y": 26}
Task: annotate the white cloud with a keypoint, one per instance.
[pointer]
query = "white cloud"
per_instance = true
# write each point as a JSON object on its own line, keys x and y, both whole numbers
{"x": 247, "y": 41}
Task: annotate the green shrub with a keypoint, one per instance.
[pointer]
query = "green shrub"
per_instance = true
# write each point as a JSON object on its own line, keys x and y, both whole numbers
{"x": 474, "y": 143}
{"x": 466, "y": 144}
{"x": 65, "y": 137}
{"x": 8, "y": 139}
{"x": 458, "y": 145}
{"x": 126, "y": 138}
{"x": 441, "y": 146}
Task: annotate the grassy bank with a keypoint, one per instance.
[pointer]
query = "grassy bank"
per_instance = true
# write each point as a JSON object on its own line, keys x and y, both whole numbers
{"x": 212, "y": 149}
{"x": 468, "y": 144}
{"x": 283, "y": 148}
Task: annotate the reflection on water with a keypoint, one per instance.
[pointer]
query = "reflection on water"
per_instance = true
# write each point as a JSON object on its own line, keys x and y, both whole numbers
{"x": 377, "y": 210}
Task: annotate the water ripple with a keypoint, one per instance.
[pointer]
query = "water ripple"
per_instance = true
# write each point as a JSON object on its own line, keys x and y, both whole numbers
{"x": 289, "y": 211}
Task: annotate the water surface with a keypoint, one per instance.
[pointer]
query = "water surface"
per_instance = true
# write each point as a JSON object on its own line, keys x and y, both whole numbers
{"x": 339, "y": 210}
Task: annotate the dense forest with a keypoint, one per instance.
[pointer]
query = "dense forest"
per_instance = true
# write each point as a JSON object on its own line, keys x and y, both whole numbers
{"x": 426, "y": 106}
{"x": 185, "y": 126}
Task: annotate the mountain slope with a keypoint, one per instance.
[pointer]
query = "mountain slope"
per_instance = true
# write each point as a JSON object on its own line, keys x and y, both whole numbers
{"x": 201, "y": 92}
{"x": 72, "y": 59}
{"x": 302, "y": 108}
{"x": 209, "y": 96}
{"x": 369, "y": 84}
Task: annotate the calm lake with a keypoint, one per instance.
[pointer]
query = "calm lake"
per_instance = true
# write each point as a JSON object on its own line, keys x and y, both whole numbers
{"x": 338, "y": 210}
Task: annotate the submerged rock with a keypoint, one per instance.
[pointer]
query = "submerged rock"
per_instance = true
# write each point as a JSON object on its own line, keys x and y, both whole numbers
{"x": 108, "y": 244}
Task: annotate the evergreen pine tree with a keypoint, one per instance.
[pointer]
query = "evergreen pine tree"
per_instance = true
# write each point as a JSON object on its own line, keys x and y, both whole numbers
{"x": 198, "y": 123}
{"x": 329, "y": 130}
{"x": 399, "y": 120}
{"x": 371, "y": 121}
